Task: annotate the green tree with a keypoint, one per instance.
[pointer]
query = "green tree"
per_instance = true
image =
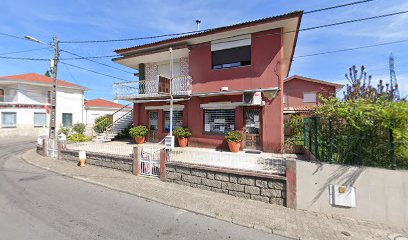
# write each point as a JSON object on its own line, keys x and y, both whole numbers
{"x": 47, "y": 73}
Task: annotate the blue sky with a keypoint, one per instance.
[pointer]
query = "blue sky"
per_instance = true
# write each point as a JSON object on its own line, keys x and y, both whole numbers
{"x": 96, "y": 20}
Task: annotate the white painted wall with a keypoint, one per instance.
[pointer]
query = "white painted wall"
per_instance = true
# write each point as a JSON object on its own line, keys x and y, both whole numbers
{"x": 92, "y": 113}
{"x": 68, "y": 101}
{"x": 381, "y": 194}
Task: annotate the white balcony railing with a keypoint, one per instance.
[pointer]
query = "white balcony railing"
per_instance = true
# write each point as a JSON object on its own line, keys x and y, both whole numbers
{"x": 181, "y": 86}
{"x": 8, "y": 98}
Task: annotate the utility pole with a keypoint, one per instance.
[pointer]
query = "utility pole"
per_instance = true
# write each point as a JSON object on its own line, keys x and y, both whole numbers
{"x": 53, "y": 113}
{"x": 171, "y": 94}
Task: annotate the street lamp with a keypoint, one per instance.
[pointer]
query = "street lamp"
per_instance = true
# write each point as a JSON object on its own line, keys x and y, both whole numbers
{"x": 54, "y": 66}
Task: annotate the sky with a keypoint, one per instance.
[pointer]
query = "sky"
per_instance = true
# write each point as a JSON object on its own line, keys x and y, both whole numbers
{"x": 104, "y": 19}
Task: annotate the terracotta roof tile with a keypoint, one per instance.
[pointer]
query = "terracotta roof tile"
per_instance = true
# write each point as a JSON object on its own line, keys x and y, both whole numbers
{"x": 38, "y": 78}
{"x": 98, "y": 102}
{"x": 336, "y": 85}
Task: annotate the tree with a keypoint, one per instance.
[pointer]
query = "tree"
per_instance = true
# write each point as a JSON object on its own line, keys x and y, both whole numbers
{"x": 47, "y": 73}
{"x": 359, "y": 87}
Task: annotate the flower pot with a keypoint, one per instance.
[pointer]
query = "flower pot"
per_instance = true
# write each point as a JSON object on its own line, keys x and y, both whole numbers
{"x": 182, "y": 142}
{"x": 82, "y": 162}
{"x": 139, "y": 140}
{"x": 234, "y": 146}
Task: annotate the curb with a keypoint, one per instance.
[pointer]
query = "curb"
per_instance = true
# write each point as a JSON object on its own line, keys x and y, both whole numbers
{"x": 215, "y": 216}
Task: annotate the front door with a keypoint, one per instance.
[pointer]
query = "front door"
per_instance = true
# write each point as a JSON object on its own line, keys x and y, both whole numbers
{"x": 153, "y": 135}
{"x": 252, "y": 128}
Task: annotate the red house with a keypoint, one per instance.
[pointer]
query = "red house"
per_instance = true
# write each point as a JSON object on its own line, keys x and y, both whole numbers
{"x": 300, "y": 94}
{"x": 224, "y": 79}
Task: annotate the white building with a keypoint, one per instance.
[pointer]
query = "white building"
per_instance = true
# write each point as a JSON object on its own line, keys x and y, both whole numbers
{"x": 99, "y": 107}
{"x": 25, "y": 104}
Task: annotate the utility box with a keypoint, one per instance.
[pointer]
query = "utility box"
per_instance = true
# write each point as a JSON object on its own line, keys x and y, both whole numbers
{"x": 169, "y": 142}
{"x": 343, "y": 196}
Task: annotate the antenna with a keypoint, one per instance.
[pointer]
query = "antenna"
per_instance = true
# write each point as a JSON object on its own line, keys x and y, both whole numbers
{"x": 393, "y": 80}
{"x": 198, "y": 21}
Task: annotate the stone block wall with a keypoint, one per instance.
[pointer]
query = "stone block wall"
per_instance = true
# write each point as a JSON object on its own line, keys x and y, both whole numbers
{"x": 103, "y": 160}
{"x": 244, "y": 184}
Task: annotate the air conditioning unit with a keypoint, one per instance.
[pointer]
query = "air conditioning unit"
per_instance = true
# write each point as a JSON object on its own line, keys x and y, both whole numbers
{"x": 224, "y": 89}
{"x": 252, "y": 98}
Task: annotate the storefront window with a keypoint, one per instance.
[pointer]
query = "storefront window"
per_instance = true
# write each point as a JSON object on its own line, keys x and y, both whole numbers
{"x": 219, "y": 121}
{"x": 177, "y": 120}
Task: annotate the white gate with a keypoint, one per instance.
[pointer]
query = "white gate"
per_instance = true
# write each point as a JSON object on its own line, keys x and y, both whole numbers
{"x": 150, "y": 162}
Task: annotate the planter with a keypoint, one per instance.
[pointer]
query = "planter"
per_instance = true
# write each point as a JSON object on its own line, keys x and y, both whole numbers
{"x": 182, "y": 142}
{"x": 234, "y": 146}
{"x": 82, "y": 162}
{"x": 139, "y": 140}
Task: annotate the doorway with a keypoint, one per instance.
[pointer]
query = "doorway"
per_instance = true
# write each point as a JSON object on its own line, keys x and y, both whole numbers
{"x": 153, "y": 135}
{"x": 253, "y": 128}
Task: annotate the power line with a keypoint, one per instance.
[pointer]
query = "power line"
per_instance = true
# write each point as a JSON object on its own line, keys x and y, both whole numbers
{"x": 93, "y": 71}
{"x": 350, "y": 49}
{"x": 89, "y": 59}
{"x": 12, "y": 36}
{"x": 26, "y": 58}
{"x": 338, "y": 6}
{"x": 30, "y": 50}
{"x": 204, "y": 30}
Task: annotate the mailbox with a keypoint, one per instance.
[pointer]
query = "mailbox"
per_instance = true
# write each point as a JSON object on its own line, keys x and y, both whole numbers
{"x": 169, "y": 142}
{"x": 344, "y": 196}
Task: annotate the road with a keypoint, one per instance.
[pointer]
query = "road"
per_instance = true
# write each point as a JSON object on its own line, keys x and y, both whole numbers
{"x": 37, "y": 204}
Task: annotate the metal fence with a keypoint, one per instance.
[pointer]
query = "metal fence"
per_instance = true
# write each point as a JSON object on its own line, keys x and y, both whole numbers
{"x": 338, "y": 142}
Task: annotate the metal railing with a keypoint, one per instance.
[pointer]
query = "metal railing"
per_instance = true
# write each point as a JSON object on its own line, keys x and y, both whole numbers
{"x": 181, "y": 85}
{"x": 150, "y": 162}
{"x": 8, "y": 98}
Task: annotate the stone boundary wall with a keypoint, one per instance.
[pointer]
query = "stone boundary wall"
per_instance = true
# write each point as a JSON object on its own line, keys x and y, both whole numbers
{"x": 102, "y": 160}
{"x": 245, "y": 184}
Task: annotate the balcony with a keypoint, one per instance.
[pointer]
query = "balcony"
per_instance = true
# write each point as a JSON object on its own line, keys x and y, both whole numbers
{"x": 8, "y": 98}
{"x": 181, "y": 86}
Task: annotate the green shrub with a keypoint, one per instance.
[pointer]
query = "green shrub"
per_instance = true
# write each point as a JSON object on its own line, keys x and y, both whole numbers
{"x": 233, "y": 136}
{"x": 138, "y": 132}
{"x": 182, "y": 132}
{"x": 101, "y": 123}
{"x": 64, "y": 130}
{"x": 79, "y": 128}
{"x": 78, "y": 137}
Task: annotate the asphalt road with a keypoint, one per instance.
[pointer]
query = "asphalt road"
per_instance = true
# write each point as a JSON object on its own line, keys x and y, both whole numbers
{"x": 37, "y": 204}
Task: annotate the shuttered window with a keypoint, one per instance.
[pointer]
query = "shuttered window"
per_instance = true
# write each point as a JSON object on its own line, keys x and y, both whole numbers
{"x": 233, "y": 57}
{"x": 219, "y": 121}
{"x": 309, "y": 97}
{"x": 40, "y": 120}
{"x": 8, "y": 119}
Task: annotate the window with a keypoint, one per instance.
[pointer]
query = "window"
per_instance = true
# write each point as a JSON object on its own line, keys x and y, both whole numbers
{"x": 309, "y": 97}
{"x": 1, "y": 95}
{"x": 285, "y": 98}
{"x": 177, "y": 120}
{"x": 8, "y": 119}
{"x": 233, "y": 57}
{"x": 219, "y": 121}
{"x": 40, "y": 119}
{"x": 67, "y": 119}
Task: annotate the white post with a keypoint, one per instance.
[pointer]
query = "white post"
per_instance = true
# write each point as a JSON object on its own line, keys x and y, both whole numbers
{"x": 171, "y": 94}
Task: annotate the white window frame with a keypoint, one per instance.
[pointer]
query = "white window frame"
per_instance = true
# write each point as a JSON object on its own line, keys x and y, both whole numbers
{"x": 307, "y": 99}
{"x": 72, "y": 119}
{"x": 45, "y": 116}
{"x": 8, "y": 126}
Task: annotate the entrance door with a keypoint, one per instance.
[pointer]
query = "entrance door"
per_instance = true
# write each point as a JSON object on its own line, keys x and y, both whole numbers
{"x": 252, "y": 128}
{"x": 153, "y": 135}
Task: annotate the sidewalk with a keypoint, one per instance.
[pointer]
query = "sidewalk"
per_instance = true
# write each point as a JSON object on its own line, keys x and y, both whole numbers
{"x": 266, "y": 217}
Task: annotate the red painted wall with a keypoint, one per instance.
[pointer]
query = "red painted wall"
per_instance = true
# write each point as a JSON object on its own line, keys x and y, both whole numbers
{"x": 295, "y": 88}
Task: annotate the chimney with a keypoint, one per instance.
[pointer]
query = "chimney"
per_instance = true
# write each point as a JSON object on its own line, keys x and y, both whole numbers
{"x": 198, "y": 21}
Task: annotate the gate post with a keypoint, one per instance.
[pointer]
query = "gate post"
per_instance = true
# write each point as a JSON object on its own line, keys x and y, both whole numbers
{"x": 163, "y": 160}
{"x": 291, "y": 197}
{"x": 45, "y": 147}
{"x": 137, "y": 155}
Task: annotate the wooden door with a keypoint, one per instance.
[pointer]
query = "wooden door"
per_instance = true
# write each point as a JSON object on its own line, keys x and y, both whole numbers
{"x": 153, "y": 135}
{"x": 252, "y": 128}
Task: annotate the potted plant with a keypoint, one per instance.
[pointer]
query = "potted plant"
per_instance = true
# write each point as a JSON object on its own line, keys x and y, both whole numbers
{"x": 182, "y": 135}
{"x": 234, "y": 140}
{"x": 139, "y": 133}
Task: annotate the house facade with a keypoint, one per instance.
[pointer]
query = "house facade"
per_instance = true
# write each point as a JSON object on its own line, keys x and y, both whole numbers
{"x": 225, "y": 79}
{"x": 301, "y": 93}
{"x": 96, "y": 108}
{"x": 25, "y": 104}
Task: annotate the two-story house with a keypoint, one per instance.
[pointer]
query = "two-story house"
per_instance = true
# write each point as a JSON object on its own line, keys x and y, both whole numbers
{"x": 25, "y": 104}
{"x": 301, "y": 93}
{"x": 224, "y": 79}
